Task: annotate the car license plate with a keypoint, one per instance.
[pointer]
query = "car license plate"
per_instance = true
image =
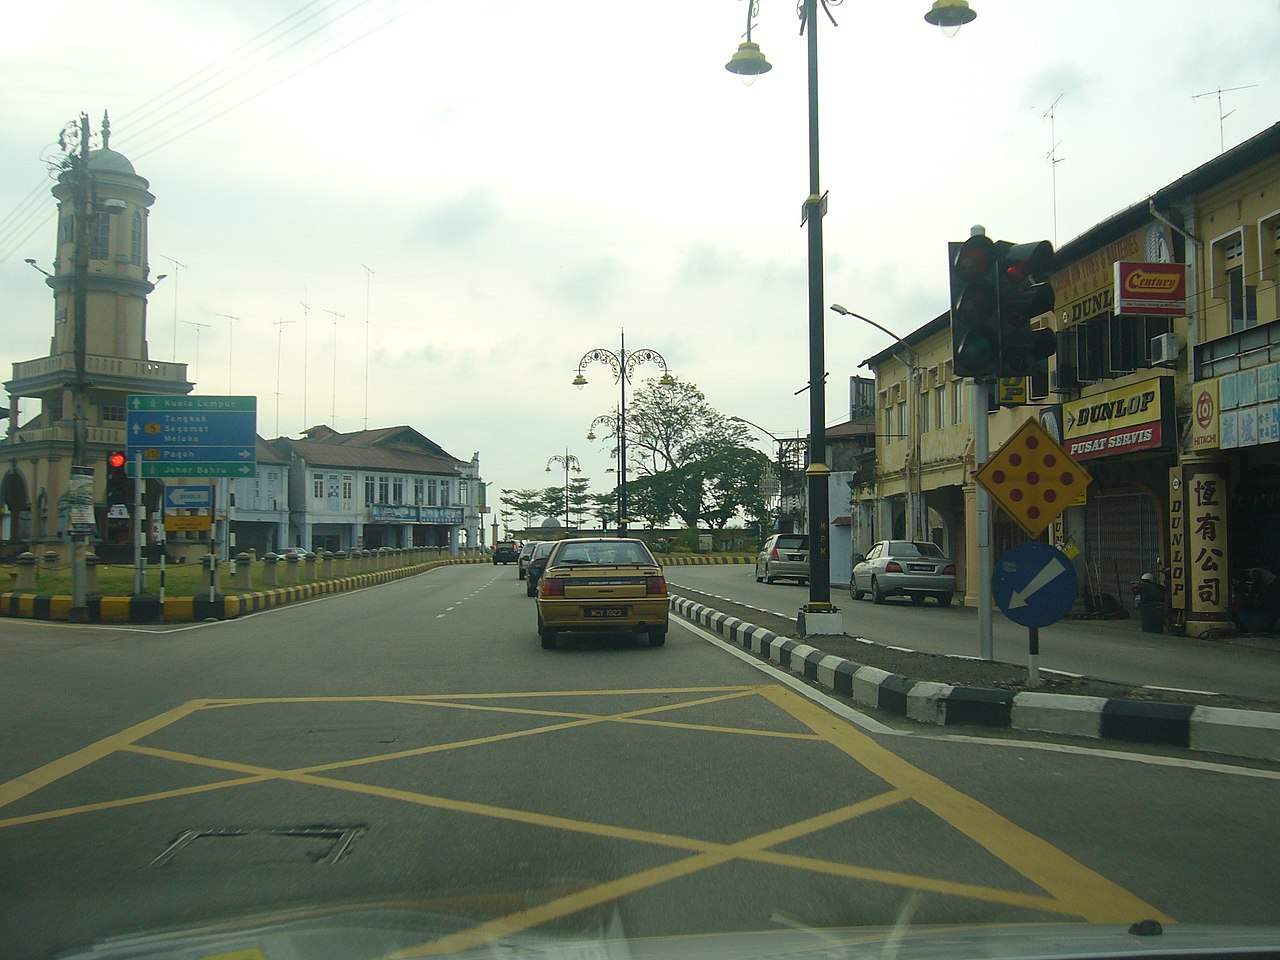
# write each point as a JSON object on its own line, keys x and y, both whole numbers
{"x": 920, "y": 567}
{"x": 606, "y": 613}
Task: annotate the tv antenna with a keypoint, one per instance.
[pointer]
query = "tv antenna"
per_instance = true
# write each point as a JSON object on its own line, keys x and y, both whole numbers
{"x": 1054, "y": 160}
{"x": 1222, "y": 143}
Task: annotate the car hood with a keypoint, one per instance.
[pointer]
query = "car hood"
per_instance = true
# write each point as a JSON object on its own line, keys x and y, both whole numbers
{"x": 367, "y": 933}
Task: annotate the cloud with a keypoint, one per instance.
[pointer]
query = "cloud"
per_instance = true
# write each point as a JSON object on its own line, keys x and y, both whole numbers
{"x": 588, "y": 285}
{"x": 459, "y": 219}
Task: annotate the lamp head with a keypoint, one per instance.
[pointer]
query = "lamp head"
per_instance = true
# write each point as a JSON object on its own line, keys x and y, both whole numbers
{"x": 748, "y": 63}
{"x": 579, "y": 381}
{"x": 950, "y": 15}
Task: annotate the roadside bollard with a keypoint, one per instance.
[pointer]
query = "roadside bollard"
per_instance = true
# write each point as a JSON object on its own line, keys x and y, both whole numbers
{"x": 309, "y": 566}
{"x": 340, "y": 564}
{"x": 291, "y": 569}
{"x": 244, "y": 572}
{"x": 269, "y": 576}
{"x": 49, "y": 559}
{"x": 26, "y": 582}
{"x": 91, "y": 587}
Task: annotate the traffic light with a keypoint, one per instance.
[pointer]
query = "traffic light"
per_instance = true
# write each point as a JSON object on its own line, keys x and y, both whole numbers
{"x": 1024, "y": 296}
{"x": 975, "y": 308}
{"x": 119, "y": 486}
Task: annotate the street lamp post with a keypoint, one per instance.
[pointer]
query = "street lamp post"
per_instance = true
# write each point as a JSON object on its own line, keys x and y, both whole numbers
{"x": 782, "y": 469}
{"x": 612, "y": 421}
{"x": 750, "y": 62}
{"x": 623, "y": 364}
{"x": 916, "y": 524}
{"x": 570, "y": 462}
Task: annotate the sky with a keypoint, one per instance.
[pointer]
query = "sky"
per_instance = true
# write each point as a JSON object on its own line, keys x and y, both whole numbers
{"x": 470, "y": 196}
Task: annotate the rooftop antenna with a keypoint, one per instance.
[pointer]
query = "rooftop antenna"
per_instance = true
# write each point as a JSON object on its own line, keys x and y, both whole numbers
{"x": 280, "y": 325}
{"x": 1054, "y": 160}
{"x": 333, "y": 412}
{"x": 1222, "y": 143}
{"x": 306, "y": 317}
{"x": 176, "y": 267}
{"x": 368, "y": 276}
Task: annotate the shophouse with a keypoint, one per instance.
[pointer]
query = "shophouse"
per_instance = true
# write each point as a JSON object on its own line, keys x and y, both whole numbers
{"x": 391, "y": 487}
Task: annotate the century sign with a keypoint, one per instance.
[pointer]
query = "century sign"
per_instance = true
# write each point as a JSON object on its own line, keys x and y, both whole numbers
{"x": 1124, "y": 420}
{"x": 1151, "y": 289}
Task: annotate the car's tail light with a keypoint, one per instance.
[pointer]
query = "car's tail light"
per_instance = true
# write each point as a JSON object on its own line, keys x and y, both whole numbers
{"x": 893, "y": 566}
{"x": 655, "y": 585}
{"x": 552, "y": 587}
{"x": 950, "y": 569}
{"x": 773, "y": 554}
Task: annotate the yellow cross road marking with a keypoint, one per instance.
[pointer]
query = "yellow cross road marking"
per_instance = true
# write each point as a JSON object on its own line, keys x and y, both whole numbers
{"x": 1069, "y": 888}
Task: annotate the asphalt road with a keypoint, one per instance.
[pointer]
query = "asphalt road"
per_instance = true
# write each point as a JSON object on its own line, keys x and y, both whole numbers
{"x": 1109, "y": 650}
{"x": 412, "y": 743}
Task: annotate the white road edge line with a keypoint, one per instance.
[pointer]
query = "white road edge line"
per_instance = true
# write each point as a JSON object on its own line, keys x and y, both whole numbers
{"x": 845, "y": 712}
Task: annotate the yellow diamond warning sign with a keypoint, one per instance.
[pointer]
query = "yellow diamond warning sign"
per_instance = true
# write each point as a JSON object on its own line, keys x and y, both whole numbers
{"x": 1033, "y": 478}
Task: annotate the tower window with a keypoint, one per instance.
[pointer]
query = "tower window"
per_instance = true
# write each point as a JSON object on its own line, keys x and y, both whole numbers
{"x": 135, "y": 240}
{"x": 100, "y": 236}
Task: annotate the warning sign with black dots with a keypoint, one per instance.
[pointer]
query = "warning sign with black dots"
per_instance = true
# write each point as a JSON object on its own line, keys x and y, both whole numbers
{"x": 1033, "y": 478}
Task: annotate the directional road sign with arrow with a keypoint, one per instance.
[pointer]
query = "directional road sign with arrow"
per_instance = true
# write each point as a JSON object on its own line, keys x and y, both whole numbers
{"x": 193, "y": 436}
{"x": 1034, "y": 584}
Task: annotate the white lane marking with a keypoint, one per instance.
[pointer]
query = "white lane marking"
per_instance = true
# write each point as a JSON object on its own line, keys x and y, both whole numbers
{"x": 844, "y": 711}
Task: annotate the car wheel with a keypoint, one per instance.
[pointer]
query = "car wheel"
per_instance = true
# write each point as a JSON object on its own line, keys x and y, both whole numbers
{"x": 877, "y": 595}
{"x": 759, "y": 579}
{"x": 854, "y": 591}
{"x": 530, "y": 589}
{"x": 944, "y": 599}
{"x": 657, "y": 636}
{"x": 917, "y": 599}
{"x": 768, "y": 578}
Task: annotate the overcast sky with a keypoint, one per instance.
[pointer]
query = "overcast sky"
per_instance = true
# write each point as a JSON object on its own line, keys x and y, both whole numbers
{"x": 527, "y": 179}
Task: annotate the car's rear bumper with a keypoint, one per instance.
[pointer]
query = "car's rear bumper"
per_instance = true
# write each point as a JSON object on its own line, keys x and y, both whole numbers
{"x": 916, "y": 583}
{"x": 620, "y": 613}
{"x": 788, "y": 568}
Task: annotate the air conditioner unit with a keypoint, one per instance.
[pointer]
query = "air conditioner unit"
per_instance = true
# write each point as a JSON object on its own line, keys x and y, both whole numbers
{"x": 1165, "y": 348}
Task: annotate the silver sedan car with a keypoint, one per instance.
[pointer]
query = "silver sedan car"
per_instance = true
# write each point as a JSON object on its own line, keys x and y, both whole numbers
{"x": 911, "y": 568}
{"x": 784, "y": 556}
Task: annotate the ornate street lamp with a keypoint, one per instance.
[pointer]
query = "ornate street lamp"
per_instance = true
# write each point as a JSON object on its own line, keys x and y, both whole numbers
{"x": 623, "y": 363}
{"x": 750, "y": 62}
{"x": 570, "y": 462}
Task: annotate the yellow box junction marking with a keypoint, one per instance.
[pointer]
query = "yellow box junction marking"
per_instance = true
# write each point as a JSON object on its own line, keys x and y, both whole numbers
{"x": 1070, "y": 888}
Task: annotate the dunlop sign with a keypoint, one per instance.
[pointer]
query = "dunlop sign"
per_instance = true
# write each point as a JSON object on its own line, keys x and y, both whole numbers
{"x": 1125, "y": 420}
{"x": 1177, "y": 540}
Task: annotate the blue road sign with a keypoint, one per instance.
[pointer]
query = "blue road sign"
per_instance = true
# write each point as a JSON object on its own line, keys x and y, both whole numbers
{"x": 1034, "y": 584}
{"x": 189, "y": 498}
{"x": 211, "y": 436}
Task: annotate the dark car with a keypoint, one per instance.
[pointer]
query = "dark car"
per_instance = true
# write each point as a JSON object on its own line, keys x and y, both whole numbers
{"x": 537, "y": 563}
{"x": 506, "y": 551}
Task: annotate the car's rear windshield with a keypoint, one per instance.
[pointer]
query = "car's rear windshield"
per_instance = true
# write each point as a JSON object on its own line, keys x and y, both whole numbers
{"x": 602, "y": 553}
{"x": 793, "y": 543}
{"x": 542, "y": 549}
{"x": 915, "y": 548}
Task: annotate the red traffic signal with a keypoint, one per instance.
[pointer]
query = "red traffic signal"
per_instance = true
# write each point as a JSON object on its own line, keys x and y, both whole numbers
{"x": 116, "y": 460}
{"x": 975, "y": 308}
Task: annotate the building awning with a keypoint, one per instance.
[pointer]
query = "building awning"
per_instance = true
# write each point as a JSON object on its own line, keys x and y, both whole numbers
{"x": 843, "y": 521}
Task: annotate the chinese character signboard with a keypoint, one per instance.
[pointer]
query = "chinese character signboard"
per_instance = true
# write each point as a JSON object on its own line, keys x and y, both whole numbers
{"x": 1177, "y": 541}
{"x": 1205, "y": 520}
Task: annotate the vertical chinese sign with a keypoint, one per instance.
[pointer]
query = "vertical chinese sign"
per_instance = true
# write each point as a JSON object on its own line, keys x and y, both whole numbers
{"x": 1177, "y": 540}
{"x": 1205, "y": 524}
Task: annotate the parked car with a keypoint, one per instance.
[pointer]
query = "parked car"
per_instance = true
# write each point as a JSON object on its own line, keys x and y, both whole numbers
{"x": 784, "y": 555}
{"x": 299, "y": 552}
{"x": 522, "y": 562}
{"x": 537, "y": 564}
{"x": 595, "y": 584}
{"x": 506, "y": 551}
{"x": 911, "y": 568}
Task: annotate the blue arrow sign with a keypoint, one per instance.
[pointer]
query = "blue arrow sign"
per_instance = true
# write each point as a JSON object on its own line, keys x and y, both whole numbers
{"x": 164, "y": 428}
{"x": 192, "y": 498}
{"x": 1034, "y": 584}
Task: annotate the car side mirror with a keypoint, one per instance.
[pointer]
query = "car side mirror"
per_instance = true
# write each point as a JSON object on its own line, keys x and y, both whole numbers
{"x": 859, "y": 557}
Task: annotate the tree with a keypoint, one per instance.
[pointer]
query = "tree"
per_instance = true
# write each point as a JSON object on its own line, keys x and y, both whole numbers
{"x": 689, "y": 460}
{"x": 526, "y": 503}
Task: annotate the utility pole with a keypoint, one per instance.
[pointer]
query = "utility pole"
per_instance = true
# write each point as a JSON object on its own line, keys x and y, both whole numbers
{"x": 82, "y": 199}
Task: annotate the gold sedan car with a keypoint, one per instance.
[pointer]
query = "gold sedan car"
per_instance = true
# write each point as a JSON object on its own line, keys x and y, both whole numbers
{"x": 595, "y": 584}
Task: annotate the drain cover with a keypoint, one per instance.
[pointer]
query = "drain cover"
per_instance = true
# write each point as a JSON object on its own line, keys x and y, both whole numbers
{"x": 240, "y": 846}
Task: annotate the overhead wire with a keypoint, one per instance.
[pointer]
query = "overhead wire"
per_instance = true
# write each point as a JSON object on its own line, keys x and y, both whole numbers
{"x": 29, "y": 215}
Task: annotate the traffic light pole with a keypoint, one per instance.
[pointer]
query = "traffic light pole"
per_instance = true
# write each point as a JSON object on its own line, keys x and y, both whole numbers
{"x": 139, "y": 562}
{"x": 981, "y": 450}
